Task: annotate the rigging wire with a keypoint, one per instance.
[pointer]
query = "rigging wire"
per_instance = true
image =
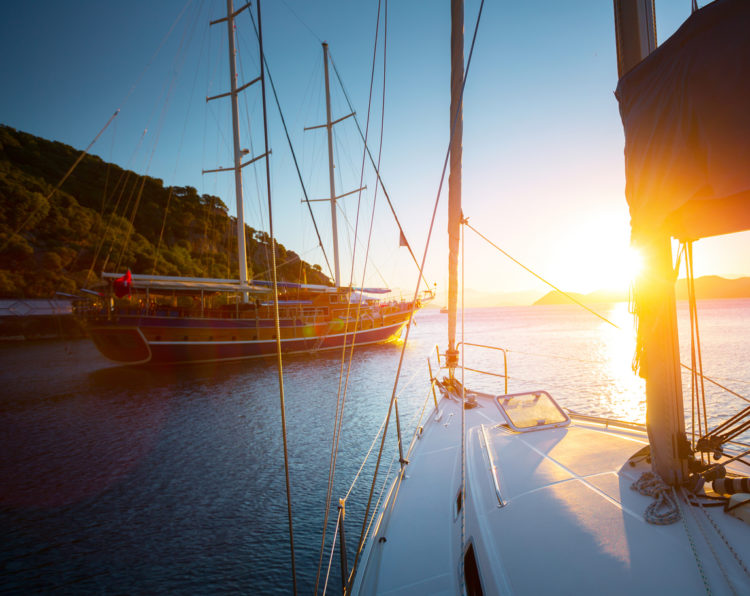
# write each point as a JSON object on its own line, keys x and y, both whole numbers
{"x": 411, "y": 314}
{"x": 305, "y": 25}
{"x": 695, "y": 409}
{"x": 59, "y": 184}
{"x": 377, "y": 172}
{"x": 413, "y": 422}
{"x": 113, "y": 215}
{"x": 88, "y": 148}
{"x": 255, "y": 164}
{"x": 265, "y": 272}
{"x": 178, "y": 64}
{"x": 375, "y": 438}
{"x": 463, "y": 413}
{"x": 730, "y": 428}
{"x": 682, "y": 252}
{"x": 179, "y": 151}
{"x": 697, "y": 370}
{"x": 167, "y": 35}
{"x": 294, "y": 155}
{"x": 357, "y": 240}
{"x": 330, "y": 558}
{"x": 539, "y": 277}
{"x": 118, "y": 189}
{"x": 276, "y": 304}
{"x": 341, "y": 397}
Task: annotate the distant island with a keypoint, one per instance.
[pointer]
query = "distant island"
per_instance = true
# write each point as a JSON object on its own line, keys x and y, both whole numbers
{"x": 708, "y": 287}
{"x": 104, "y": 218}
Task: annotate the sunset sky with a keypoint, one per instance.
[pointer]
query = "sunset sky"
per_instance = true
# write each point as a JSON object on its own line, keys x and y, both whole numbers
{"x": 543, "y": 142}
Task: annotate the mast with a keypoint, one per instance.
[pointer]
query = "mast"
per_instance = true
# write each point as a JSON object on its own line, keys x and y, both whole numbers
{"x": 655, "y": 297}
{"x": 237, "y": 152}
{"x": 454, "y": 180}
{"x": 329, "y": 128}
{"x": 333, "y": 198}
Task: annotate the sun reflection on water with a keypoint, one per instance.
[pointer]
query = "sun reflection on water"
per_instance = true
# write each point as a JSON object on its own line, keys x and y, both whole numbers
{"x": 625, "y": 393}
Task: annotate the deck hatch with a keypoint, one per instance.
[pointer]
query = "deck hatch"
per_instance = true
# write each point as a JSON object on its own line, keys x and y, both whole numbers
{"x": 531, "y": 411}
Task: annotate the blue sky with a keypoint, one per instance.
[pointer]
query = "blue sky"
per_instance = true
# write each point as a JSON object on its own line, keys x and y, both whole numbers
{"x": 543, "y": 166}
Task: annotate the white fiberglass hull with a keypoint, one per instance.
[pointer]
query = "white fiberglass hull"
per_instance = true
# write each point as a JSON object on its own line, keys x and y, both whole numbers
{"x": 547, "y": 512}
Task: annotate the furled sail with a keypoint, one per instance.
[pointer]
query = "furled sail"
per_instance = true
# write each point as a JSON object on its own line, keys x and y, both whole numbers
{"x": 686, "y": 114}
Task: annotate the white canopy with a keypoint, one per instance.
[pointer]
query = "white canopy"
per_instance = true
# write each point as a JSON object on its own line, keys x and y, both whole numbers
{"x": 166, "y": 282}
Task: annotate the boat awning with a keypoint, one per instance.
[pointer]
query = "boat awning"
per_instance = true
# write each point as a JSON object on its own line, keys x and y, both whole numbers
{"x": 321, "y": 288}
{"x": 373, "y": 290}
{"x": 687, "y": 124}
{"x": 187, "y": 284}
{"x": 288, "y": 285}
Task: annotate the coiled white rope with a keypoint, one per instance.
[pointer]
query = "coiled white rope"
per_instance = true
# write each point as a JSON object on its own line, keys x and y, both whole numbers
{"x": 664, "y": 510}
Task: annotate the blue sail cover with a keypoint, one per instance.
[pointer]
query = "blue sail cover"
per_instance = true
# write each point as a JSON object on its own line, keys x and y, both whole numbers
{"x": 686, "y": 113}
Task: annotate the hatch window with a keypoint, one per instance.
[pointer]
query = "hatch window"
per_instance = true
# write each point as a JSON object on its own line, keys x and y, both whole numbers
{"x": 531, "y": 411}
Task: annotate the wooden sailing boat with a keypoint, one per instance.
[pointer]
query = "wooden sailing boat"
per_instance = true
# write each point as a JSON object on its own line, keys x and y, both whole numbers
{"x": 509, "y": 493}
{"x": 223, "y": 319}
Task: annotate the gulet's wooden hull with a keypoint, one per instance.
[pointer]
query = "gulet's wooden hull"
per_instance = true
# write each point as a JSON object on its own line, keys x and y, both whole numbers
{"x": 161, "y": 340}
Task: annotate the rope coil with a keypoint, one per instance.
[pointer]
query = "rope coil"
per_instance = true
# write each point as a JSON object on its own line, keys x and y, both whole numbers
{"x": 664, "y": 510}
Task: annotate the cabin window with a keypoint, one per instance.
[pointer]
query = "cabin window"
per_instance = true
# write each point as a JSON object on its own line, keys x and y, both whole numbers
{"x": 459, "y": 501}
{"x": 471, "y": 573}
{"x": 531, "y": 411}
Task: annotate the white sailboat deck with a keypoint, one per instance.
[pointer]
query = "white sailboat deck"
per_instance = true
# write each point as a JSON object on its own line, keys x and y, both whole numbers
{"x": 556, "y": 516}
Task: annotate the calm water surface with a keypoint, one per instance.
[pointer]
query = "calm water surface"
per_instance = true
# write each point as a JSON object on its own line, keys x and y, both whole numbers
{"x": 127, "y": 480}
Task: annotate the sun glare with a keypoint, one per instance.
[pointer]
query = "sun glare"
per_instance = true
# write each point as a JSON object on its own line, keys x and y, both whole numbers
{"x": 620, "y": 269}
{"x": 607, "y": 269}
{"x": 633, "y": 264}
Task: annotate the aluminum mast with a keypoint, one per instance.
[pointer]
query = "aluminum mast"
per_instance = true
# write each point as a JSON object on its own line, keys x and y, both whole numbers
{"x": 454, "y": 180}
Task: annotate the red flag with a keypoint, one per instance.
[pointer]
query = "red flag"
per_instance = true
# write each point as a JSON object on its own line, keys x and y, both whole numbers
{"x": 402, "y": 240}
{"x": 122, "y": 285}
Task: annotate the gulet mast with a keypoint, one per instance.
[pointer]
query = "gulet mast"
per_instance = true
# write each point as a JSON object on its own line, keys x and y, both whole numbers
{"x": 329, "y": 128}
{"x": 242, "y": 254}
{"x": 238, "y": 152}
{"x": 333, "y": 198}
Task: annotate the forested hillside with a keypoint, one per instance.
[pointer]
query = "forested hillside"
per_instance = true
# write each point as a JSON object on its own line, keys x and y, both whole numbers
{"x": 104, "y": 218}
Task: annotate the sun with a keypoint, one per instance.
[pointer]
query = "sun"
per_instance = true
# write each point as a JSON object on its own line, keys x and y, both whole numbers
{"x": 590, "y": 267}
{"x": 619, "y": 268}
{"x": 632, "y": 264}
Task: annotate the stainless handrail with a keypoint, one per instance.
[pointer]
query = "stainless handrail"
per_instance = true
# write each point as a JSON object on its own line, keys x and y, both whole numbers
{"x": 493, "y": 467}
{"x": 505, "y": 361}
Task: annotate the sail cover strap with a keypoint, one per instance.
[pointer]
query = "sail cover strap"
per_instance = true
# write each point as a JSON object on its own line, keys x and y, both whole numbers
{"x": 687, "y": 128}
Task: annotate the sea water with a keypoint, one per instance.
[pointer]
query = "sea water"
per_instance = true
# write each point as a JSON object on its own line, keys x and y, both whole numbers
{"x": 145, "y": 480}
